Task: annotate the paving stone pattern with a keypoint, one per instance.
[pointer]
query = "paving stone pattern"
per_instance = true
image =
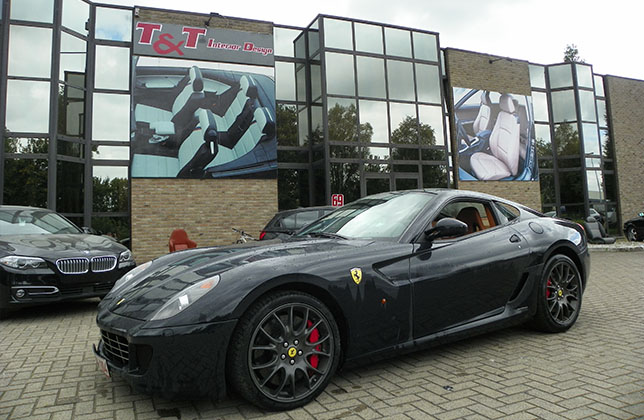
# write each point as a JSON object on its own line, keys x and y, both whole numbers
{"x": 594, "y": 371}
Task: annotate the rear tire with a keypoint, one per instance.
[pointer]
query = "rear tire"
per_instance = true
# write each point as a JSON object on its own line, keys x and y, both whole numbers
{"x": 284, "y": 351}
{"x": 559, "y": 295}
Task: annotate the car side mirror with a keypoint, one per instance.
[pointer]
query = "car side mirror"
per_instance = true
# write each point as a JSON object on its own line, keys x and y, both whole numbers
{"x": 89, "y": 230}
{"x": 446, "y": 227}
{"x": 641, "y": 214}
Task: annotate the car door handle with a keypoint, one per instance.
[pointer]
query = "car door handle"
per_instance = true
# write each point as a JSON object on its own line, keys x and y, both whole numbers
{"x": 515, "y": 239}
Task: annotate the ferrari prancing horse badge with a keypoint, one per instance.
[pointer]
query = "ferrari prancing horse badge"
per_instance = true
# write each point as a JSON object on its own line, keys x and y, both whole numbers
{"x": 356, "y": 275}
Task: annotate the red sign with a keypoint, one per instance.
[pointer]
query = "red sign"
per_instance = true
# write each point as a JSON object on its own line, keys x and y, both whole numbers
{"x": 337, "y": 200}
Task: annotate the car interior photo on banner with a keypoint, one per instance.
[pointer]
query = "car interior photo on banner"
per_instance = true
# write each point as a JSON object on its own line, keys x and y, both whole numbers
{"x": 194, "y": 119}
{"x": 495, "y": 136}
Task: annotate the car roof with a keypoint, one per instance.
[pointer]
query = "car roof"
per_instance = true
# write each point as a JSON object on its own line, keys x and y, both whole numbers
{"x": 303, "y": 209}
{"x": 11, "y": 207}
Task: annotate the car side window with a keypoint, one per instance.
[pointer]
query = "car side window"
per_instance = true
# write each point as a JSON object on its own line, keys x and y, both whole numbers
{"x": 507, "y": 212}
{"x": 289, "y": 222}
{"x": 305, "y": 218}
{"x": 476, "y": 215}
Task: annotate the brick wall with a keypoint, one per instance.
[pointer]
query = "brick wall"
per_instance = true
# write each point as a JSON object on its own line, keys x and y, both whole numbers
{"x": 498, "y": 74}
{"x": 205, "y": 209}
{"x": 625, "y": 99}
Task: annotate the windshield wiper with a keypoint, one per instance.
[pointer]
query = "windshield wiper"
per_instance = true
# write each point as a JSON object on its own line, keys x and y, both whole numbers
{"x": 326, "y": 235}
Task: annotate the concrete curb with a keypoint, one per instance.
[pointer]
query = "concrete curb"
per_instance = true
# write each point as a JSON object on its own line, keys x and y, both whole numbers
{"x": 617, "y": 247}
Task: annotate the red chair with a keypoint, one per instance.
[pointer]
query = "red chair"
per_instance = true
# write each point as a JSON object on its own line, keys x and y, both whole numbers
{"x": 179, "y": 240}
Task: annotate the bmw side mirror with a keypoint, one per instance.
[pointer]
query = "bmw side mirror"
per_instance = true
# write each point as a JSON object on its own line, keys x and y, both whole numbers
{"x": 445, "y": 228}
{"x": 641, "y": 214}
{"x": 89, "y": 230}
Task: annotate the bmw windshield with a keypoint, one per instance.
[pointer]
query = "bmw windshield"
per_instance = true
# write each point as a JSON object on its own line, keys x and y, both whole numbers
{"x": 34, "y": 221}
{"x": 384, "y": 216}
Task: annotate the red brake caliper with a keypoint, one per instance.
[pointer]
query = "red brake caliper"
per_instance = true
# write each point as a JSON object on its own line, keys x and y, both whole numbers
{"x": 548, "y": 289}
{"x": 314, "y": 360}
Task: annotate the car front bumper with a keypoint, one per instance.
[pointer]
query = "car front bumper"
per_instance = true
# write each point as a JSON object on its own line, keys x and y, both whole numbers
{"x": 172, "y": 362}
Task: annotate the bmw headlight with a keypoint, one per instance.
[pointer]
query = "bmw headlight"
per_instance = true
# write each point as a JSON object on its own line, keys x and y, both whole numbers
{"x": 126, "y": 258}
{"x": 185, "y": 298}
{"x": 23, "y": 263}
{"x": 126, "y": 279}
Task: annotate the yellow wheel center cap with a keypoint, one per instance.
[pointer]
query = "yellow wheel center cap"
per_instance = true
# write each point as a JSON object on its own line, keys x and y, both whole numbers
{"x": 560, "y": 292}
{"x": 292, "y": 352}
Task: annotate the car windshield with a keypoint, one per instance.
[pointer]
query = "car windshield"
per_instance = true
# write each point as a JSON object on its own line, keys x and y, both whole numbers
{"x": 33, "y": 221}
{"x": 384, "y": 215}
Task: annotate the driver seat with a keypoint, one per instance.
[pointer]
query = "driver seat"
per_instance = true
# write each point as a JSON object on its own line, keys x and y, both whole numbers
{"x": 471, "y": 217}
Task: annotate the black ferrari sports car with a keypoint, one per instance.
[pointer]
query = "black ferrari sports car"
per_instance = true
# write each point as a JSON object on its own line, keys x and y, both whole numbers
{"x": 388, "y": 273}
{"x": 634, "y": 228}
{"x": 45, "y": 258}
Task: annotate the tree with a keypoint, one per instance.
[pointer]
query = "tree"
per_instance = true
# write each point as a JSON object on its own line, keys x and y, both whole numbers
{"x": 571, "y": 54}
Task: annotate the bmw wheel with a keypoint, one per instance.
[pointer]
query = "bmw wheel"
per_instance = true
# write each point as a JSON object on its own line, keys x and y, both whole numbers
{"x": 631, "y": 233}
{"x": 558, "y": 296}
{"x": 284, "y": 351}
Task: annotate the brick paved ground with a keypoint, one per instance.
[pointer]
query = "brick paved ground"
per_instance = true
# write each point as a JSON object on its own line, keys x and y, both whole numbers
{"x": 594, "y": 371}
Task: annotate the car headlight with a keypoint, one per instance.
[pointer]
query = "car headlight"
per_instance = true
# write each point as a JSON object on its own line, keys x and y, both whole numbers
{"x": 23, "y": 263}
{"x": 125, "y": 257}
{"x": 125, "y": 280}
{"x": 185, "y": 298}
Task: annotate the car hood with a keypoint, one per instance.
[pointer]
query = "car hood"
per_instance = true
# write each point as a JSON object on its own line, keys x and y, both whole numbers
{"x": 172, "y": 273}
{"x": 54, "y": 246}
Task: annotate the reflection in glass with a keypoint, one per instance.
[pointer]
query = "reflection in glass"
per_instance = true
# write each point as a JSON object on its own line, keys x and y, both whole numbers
{"x": 72, "y": 59}
{"x": 400, "y": 76}
{"x": 283, "y": 40}
{"x": 591, "y": 139}
{"x": 295, "y": 156}
{"x": 343, "y": 120}
{"x": 428, "y": 83}
{"x": 31, "y": 145}
{"x": 286, "y": 123}
{"x": 406, "y": 184}
{"x": 337, "y": 34}
{"x": 547, "y": 185}
{"x": 601, "y": 113}
{"x": 540, "y": 103}
{"x": 563, "y": 106}
{"x": 431, "y": 125}
{"x": 69, "y": 186}
{"x": 113, "y": 24}
{"x": 584, "y": 76}
{"x": 377, "y": 185}
{"x": 378, "y": 153}
{"x": 111, "y": 153}
{"x": 537, "y": 76}
{"x": 27, "y": 106}
{"x": 292, "y": 188}
{"x": 434, "y": 176}
{"x": 432, "y": 155}
{"x": 593, "y": 163}
{"x": 25, "y": 182}
{"x": 611, "y": 187}
{"x": 75, "y": 15}
{"x": 599, "y": 85}
{"x": 111, "y": 117}
{"x": 425, "y": 46}
{"x": 371, "y": 77}
{"x": 284, "y": 81}
{"x": 566, "y": 139}
{"x": 607, "y": 144}
{"x": 29, "y": 51}
{"x": 403, "y": 118}
{"x": 339, "y": 74}
{"x": 317, "y": 127}
{"x": 571, "y": 187}
{"x": 368, "y": 38}
{"x": 373, "y": 115}
{"x": 345, "y": 179}
{"x": 560, "y": 76}
{"x": 300, "y": 76}
{"x": 112, "y": 68}
{"x": 383, "y": 168}
{"x": 303, "y": 128}
{"x": 71, "y": 111}
{"x": 345, "y": 152}
{"x": 68, "y": 148}
{"x": 316, "y": 82}
{"x": 300, "y": 46}
{"x": 400, "y": 153}
{"x": 397, "y": 42}
{"x": 314, "y": 41}
{"x": 595, "y": 182}
{"x": 587, "y": 105}
{"x": 543, "y": 140}
{"x": 110, "y": 189}
{"x": 32, "y": 10}
{"x": 568, "y": 162}
{"x": 118, "y": 227}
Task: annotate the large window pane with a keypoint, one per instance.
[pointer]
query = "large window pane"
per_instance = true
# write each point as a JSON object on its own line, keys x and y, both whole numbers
{"x": 431, "y": 125}
{"x": 584, "y": 76}
{"x": 402, "y": 117}
{"x": 400, "y": 77}
{"x": 547, "y": 184}
{"x": 540, "y": 103}
{"x": 602, "y": 116}
{"x": 607, "y": 144}
{"x": 32, "y": 10}
{"x": 371, "y": 77}
{"x": 71, "y": 149}
{"x": 285, "y": 81}
{"x": 368, "y": 38}
{"x": 345, "y": 179}
{"x": 292, "y": 188}
{"x": 537, "y": 76}
{"x": 571, "y": 187}
{"x": 337, "y": 34}
{"x": 343, "y": 120}
{"x": 563, "y": 106}
{"x": 112, "y": 68}
{"x": 373, "y": 116}
{"x": 113, "y": 24}
{"x": 566, "y": 139}
{"x": 543, "y": 140}
{"x": 69, "y": 186}
{"x": 31, "y": 145}
{"x": 428, "y": 83}
{"x": 300, "y": 77}
{"x": 591, "y": 139}
{"x": 75, "y": 15}
{"x": 560, "y": 76}
{"x": 339, "y": 74}
{"x": 284, "y": 40}
{"x": 425, "y": 46}
{"x": 27, "y": 106}
{"x": 434, "y": 176}
{"x": 286, "y": 119}
{"x": 72, "y": 59}
{"x": 29, "y": 51}
{"x": 111, "y": 117}
{"x": 587, "y": 105}
{"x": 71, "y": 111}
{"x": 103, "y": 152}
{"x": 302, "y": 127}
{"x": 25, "y": 182}
{"x": 599, "y": 85}
{"x": 316, "y": 82}
{"x": 595, "y": 183}
{"x": 397, "y": 42}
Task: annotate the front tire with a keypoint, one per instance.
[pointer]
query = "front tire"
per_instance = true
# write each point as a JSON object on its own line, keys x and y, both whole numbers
{"x": 631, "y": 233}
{"x": 558, "y": 295}
{"x": 284, "y": 351}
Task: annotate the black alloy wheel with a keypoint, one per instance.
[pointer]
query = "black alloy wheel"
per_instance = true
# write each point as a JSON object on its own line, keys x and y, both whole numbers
{"x": 631, "y": 233}
{"x": 559, "y": 295}
{"x": 284, "y": 351}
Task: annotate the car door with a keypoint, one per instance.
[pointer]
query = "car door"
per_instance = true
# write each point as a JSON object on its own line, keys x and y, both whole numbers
{"x": 459, "y": 280}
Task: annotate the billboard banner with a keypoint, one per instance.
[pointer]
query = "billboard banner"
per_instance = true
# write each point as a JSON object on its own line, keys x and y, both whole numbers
{"x": 495, "y": 136}
{"x": 203, "y": 43}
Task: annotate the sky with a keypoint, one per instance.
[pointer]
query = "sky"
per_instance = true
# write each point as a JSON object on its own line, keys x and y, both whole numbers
{"x": 607, "y": 34}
